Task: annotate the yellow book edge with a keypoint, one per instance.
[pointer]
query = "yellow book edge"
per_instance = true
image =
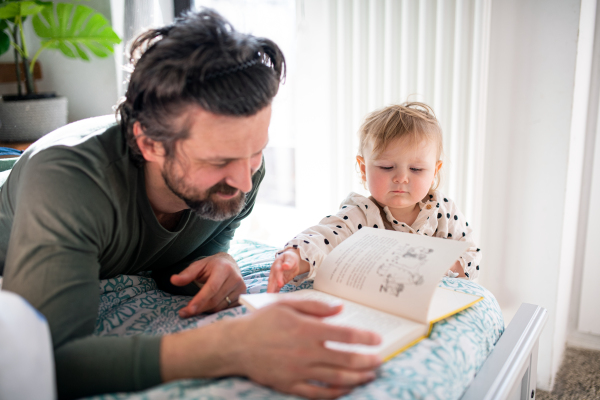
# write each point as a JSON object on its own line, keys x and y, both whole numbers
{"x": 395, "y": 353}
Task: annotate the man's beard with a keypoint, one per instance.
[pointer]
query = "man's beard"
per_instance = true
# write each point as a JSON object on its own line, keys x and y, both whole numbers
{"x": 203, "y": 203}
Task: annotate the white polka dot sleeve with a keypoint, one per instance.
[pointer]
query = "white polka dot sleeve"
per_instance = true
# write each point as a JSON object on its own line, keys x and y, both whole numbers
{"x": 438, "y": 217}
{"x": 453, "y": 225}
{"x": 316, "y": 242}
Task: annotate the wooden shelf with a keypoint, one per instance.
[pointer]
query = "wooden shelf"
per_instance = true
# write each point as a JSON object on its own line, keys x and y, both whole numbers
{"x": 16, "y": 145}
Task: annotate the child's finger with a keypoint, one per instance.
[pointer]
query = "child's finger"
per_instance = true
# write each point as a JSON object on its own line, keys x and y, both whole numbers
{"x": 286, "y": 266}
{"x": 276, "y": 276}
{"x": 288, "y": 262}
{"x": 271, "y": 285}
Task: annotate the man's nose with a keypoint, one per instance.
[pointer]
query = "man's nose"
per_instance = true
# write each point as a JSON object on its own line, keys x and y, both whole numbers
{"x": 240, "y": 175}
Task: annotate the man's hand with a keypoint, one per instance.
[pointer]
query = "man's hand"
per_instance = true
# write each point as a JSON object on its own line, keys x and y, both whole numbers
{"x": 288, "y": 342}
{"x": 219, "y": 279}
{"x": 280, "y": 346}
{"x": 286, "y": 266}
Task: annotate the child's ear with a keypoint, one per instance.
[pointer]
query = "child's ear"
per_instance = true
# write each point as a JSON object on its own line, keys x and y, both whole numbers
{"x": 362, "y": 167}
{"x": 435, "y": 182}
{"x": 151, "y": 149}
{"x": 438, "y": 166}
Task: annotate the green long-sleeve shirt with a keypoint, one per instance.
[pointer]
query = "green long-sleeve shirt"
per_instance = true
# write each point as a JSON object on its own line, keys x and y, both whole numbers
{"x": 74, "y": 210}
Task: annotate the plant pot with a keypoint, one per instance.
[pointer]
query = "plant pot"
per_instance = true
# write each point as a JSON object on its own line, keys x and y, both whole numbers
{"x": 29, "y": 120}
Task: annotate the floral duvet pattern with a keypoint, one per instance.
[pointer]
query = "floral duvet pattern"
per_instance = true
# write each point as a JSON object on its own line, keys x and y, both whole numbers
{"x": 439, "y": 367}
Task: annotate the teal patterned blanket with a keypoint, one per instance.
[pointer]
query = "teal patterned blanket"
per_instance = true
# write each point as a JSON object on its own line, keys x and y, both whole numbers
{"x": 439, "y": 367}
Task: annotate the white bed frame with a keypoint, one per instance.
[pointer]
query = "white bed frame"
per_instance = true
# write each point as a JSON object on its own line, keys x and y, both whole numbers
{"x": 509, "y": 372}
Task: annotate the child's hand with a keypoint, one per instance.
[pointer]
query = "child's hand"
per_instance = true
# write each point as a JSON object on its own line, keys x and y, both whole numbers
{"x": 285, "y": 267}
{"x": 457, "y": 269}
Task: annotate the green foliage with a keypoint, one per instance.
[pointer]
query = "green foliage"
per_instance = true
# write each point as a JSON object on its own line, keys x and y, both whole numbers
{"x": 4, "y": 38}
{"x": 74, "y": 30}
{"x": 20, "y": 9}
{"x": 74, "y": 27}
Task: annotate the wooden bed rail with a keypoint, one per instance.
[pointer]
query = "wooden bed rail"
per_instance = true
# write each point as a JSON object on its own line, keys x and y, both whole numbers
{"x": 510, "y": 370}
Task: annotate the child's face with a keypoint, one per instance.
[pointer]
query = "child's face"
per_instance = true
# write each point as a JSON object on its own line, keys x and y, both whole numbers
{"x": 402, "y": 174}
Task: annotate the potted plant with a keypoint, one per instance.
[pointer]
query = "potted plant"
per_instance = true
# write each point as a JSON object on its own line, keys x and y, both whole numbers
{"x": 75, "y": 30}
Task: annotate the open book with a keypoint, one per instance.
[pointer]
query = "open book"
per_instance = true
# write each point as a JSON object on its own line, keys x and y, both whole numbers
{"x": 388, "y": 284}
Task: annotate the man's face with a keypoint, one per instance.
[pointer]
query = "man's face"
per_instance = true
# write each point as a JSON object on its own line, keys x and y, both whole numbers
{"x": 211, "y": 171}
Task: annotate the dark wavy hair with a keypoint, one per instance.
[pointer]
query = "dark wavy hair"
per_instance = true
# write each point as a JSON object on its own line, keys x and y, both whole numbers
{"x": 199, "y": 60}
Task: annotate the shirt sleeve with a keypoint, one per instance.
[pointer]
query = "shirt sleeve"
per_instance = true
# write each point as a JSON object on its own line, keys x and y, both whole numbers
{"x": 459, "y": 229}
{"x": 62, "y": 220}
{"x": 316, "y": 242}
{"x": 217, "y": 243}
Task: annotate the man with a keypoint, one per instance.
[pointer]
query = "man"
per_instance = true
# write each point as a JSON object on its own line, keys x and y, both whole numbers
{"x": 164, "y": 192}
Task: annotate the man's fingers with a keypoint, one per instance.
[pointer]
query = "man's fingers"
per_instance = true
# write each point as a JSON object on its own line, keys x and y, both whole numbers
{"x": 228, "y": 300}
{"x": 354, "y": 361}
{"x": 312, "y": 307}
{"x": 349, "y": 335}
{"x": 212, "y": 296}
{"x": 200, "y": 301}
{"x": 317, "y": 392}
{"x": 341, "y": 377}
{"x": 189, "y": 274}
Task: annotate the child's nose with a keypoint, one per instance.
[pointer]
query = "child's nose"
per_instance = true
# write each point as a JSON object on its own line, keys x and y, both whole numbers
{"x": 401, "y": 177}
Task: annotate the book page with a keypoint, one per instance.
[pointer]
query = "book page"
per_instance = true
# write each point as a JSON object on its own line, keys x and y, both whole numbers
{"x": 446, "y": 302}
{"x": 395, "y": 272}
{"x": 395, "y": 332}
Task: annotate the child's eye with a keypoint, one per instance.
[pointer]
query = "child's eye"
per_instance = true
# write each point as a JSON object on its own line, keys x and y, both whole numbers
{"x": 386, "y": 168}
{"x": 416, "y": 169}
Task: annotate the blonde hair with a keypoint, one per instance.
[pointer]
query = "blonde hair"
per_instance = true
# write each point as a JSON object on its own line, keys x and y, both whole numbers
{"x": 413, "y": 121}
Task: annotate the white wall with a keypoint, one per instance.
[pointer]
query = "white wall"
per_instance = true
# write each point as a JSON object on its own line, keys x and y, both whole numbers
{"x": 531, "y": 82}
{"x": 89, "y": 86}
{"x": 587, "y": 251}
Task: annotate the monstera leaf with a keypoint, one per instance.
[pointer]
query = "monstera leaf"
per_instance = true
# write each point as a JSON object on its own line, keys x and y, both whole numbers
{"x": 14, "y": 9}
{"x": 74, "y": 28}
{"x": 11, "y": 10}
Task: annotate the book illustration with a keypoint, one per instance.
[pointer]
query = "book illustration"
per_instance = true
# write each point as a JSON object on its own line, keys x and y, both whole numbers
{"x": 403, "y": 268}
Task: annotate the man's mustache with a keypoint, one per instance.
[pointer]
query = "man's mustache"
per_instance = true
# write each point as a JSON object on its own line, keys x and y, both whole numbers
{"x": 223, "y": 188}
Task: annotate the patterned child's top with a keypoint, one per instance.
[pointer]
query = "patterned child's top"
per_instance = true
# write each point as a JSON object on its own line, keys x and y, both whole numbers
{"x": 439, "y": 217}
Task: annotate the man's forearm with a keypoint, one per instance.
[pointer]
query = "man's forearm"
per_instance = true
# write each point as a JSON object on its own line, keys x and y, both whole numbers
{"x": 200, "y": 353}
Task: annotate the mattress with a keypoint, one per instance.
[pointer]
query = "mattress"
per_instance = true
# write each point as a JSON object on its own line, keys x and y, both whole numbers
{"x": 439, "y": 367}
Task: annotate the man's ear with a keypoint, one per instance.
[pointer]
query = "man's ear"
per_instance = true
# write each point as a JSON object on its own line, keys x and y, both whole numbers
{"x": 362, "y": 167}
{"x": 151, "y": 150}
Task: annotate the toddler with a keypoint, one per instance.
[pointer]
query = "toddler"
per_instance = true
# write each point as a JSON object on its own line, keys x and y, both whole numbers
{"x": 399, "y": 158}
